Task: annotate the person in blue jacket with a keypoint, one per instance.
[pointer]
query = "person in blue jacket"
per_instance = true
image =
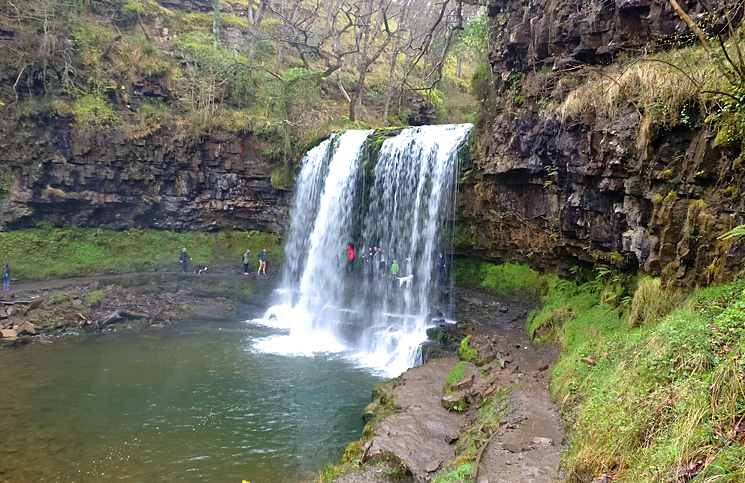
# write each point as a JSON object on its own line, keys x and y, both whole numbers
{"x": 262, "y": 262}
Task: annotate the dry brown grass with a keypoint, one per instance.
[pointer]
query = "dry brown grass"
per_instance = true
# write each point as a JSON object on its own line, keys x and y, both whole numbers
{"x": 658, "y": 86}
{"x": 651, "y": 302}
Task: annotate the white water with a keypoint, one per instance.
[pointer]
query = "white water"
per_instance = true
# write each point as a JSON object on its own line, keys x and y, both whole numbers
{"x": 403, "y": 208}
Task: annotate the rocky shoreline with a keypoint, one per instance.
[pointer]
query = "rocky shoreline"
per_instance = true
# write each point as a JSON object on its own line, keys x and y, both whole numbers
{"x": 89, "y": 305}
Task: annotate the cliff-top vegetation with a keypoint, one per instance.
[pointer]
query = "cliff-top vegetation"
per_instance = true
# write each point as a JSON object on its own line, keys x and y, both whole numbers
{"x": 298, "y": 69}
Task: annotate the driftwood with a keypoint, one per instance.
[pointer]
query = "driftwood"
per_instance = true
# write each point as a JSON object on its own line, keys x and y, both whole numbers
{"x": 16, "y": 302}
{"x": 118, "y": 315}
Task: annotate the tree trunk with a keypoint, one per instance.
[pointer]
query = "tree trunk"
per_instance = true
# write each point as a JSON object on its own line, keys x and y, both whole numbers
{"x": 280, "y": 51}
{"x": 342, "y": 89}
{"x": 216, "y": 22}
{"x": 459, "y": 68}
{"x": 692, "y": 25}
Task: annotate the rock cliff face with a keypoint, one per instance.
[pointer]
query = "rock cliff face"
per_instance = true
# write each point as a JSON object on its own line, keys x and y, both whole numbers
{"x": 74, "y": 176}
{"x": 564, "y": 192}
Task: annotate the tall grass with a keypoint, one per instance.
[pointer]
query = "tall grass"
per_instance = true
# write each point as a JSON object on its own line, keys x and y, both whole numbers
{"x": 50, "y": 253}
{"x": 507, "y": 279}
{"x": 655, "y": 400}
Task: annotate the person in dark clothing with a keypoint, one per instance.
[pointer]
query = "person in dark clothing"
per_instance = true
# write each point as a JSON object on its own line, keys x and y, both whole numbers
{"x": 441, "y": 269}
{"x": 184, "y": 259}
{"x": 350, "y": 253}
{"x": 245, "y": 262}
{"x": 6, "y": 278}
{"x": 262, "y": 261}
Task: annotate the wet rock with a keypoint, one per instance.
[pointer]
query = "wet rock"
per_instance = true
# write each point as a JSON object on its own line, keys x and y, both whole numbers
{"x": 370, "y": 411}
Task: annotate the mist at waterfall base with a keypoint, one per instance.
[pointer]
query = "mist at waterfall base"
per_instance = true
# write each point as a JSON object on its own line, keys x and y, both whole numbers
{"x": 401, "y": 201}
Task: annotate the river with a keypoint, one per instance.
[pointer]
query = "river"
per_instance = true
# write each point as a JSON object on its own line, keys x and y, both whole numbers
{"x": 196, "y": 402}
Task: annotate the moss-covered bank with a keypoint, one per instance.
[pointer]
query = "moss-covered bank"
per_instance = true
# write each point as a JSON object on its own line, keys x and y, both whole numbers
{"x": 41, "y": 253}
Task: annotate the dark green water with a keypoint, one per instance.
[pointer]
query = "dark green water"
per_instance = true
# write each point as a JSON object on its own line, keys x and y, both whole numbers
{"x": 193, "y": 403}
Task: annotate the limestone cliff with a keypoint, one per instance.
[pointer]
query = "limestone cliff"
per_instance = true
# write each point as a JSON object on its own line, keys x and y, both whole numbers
{"x": 574, "y": 190}
{"x": 76, "y": 176}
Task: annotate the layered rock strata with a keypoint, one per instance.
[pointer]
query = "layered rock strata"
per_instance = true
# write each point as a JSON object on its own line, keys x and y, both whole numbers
{"x": 565, "y": 191}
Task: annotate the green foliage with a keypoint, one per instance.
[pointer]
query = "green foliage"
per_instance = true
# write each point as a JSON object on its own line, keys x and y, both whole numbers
{"x": 94, "y": 297}
{"x": 91, "y": 39}
{"x": 7, "y": 176}
{"x": 737, "y": 231}
{"x": 506, "y": 279}
{"x": 458, "y": 475}
{"x": 456, "y": 374}
{"x": 648, "y": 399}
{"x": 44, "y": 252}
{"x": 95, "y": 111}
{"x": 468, "y": 354}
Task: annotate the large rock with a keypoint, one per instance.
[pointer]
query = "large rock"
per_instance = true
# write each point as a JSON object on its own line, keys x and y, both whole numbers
{"x": 26, "y": 328}
{"x": 8, "y": 333}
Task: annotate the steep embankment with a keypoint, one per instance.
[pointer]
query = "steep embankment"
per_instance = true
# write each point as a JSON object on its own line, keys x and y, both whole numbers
{"x": 589, "y": 151}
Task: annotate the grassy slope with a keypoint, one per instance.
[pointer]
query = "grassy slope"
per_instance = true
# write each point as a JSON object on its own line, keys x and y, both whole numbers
{"x": 43, "y": 253}
{"x": 659, "y": 397}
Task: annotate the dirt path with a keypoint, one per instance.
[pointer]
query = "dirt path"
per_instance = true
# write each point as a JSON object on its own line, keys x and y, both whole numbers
{"x": 268, "y": 280}
{"x": 527, "y": 447}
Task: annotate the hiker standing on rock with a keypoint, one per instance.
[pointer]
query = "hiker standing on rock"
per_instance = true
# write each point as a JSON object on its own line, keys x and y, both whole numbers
{"x": 394, "y": 270}
{"x": 262, "y": 261}
{"x": 245, "y": 262}
{"x": 6, "y": 278}
{"x": 184, "y": 259}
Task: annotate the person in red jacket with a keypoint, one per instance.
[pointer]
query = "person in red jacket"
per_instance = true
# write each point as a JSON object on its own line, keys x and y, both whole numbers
{"x": 351, "y": 252}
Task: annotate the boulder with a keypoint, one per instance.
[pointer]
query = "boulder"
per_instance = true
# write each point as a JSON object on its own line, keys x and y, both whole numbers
{"x": 8, "y": 333}
{"x": 455, "y": 402}
{"x": 26, "y": 328}
{"x": 463, "y": 384}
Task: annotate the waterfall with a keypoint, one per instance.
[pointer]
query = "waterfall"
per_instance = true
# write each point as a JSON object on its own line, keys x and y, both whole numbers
{"x": 392, "y": 202}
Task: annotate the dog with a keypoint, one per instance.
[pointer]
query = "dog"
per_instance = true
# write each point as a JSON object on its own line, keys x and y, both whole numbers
{"x": 201, "y": 271}
{"x": 406, "y": 279}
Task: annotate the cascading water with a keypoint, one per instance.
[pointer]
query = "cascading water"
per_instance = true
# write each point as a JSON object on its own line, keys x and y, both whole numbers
{"x": 393, "y": 206}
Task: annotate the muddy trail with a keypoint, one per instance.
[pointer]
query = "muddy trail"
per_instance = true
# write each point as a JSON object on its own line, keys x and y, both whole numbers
{"x": 422, "y": 436}
{"x": 19, "y": 288}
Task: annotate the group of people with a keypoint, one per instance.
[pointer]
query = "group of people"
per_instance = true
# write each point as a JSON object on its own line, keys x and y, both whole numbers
{"x": 374, "y": 264}
{"x": 184, "y": 260}
{"x": 262, "y": 262}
